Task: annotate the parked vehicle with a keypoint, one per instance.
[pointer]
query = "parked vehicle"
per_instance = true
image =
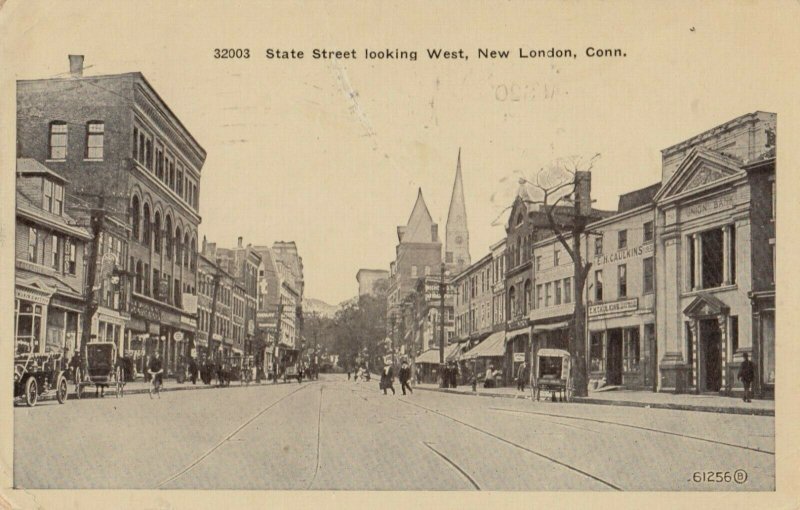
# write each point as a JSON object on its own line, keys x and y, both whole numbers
{"x": 552, "y": 373}
{"x": 291, "y": 365}
{"x": 101, "y": 368}
{"x": 37, "y": 374}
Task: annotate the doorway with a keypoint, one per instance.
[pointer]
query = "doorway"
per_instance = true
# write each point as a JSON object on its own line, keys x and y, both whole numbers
{"x": 614, "y": 357}
{"x": 710, "y": 355}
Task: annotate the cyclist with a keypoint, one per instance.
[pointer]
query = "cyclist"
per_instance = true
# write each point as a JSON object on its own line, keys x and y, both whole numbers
{"x": 155, "y": 369}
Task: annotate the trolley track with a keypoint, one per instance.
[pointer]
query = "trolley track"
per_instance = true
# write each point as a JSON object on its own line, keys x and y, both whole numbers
{"x": 227, "y": 438}
{"x": 637, "y": 427}
{"x": 553, "y": 460}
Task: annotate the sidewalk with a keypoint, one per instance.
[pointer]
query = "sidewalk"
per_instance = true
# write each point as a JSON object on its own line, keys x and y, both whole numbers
{"x": 139, "y": 387}
{"x": 630, "y": 398}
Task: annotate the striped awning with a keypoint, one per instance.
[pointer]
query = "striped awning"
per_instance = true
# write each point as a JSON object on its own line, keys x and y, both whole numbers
{"x": 431, "y": 356}
{"x": 492, "y": 347}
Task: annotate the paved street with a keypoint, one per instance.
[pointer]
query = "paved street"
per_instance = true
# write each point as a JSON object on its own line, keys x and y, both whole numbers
{"x": 336, "y": 434}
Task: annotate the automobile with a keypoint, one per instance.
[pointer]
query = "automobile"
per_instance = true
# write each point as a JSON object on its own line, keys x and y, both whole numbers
{"x": 38, "y": 374}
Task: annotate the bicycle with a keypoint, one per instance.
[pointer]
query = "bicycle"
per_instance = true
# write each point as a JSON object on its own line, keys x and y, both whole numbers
{"x": 156, "y": 384}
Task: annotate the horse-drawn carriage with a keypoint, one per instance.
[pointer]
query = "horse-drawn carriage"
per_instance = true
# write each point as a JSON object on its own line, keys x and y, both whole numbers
{"x": 37, "y": 374}
{"x": 101, "y": 369}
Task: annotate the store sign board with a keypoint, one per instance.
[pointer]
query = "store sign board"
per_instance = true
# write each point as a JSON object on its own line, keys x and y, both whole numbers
{"x": 189, "y": 303}
{"x": 178, "y": 336}
{"x": 189, "y": 321}
{"x": 519, "y": 357}
{"x": 624, "y": 305}
{"x": 622, "y": 255}
{"x": 145, "y": 310}
{"x": 33, "y": 297}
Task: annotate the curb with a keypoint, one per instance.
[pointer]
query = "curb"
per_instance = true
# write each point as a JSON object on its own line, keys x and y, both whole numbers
{"x": 626, "y": 403}
{"x": 140, "y": 391}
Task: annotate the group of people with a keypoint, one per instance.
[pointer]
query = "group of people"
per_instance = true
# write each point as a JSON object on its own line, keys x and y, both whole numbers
{"x": 404, "y": 375}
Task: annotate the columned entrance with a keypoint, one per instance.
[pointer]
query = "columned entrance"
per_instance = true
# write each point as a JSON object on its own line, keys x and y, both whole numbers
{"x": 707, "y": 319}
{"x": 710, "y": 356}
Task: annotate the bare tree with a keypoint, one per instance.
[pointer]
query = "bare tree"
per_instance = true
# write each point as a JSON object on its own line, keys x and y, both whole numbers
{"x": 563, "y": 192}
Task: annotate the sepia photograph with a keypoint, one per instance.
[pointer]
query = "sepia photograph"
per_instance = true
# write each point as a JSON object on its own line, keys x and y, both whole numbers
{"x": 396, "y": 249}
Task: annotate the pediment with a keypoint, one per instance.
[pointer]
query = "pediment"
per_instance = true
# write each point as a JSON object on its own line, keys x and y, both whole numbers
{"x": 699, "y": 171}
{"x": 705, "y": 305}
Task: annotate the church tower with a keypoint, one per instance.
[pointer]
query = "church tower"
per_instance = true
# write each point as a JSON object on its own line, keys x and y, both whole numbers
{"x": 457, "y": 235}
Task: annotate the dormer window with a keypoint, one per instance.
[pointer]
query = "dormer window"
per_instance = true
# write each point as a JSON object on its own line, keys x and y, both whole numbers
{"x": 58, "y": 140}
{"x": 53, "y": 197}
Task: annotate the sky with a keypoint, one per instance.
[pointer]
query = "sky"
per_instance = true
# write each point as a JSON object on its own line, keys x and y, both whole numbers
{"x": 330, "y": 153}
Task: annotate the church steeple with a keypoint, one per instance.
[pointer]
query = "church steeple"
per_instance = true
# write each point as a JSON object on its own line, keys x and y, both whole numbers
{"x": 457, "y": 235}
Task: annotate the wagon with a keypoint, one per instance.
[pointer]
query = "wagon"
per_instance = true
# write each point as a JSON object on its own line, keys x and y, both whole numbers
{"x": 101, "y": 369}
{"x": 552, "y": 373}
{"x": 38, "y": 374}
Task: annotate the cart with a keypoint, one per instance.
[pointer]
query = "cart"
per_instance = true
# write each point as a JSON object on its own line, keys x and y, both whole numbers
{"x": 552, "y": 373}
{"x": 291, "y": 365}
{"x": 37, "y": 374}
{"x": 246, "y": 370}
{"x": 101, "y": 369}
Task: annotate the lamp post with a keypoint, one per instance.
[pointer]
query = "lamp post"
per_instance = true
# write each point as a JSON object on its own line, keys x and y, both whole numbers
{"x": 442, "y": 290}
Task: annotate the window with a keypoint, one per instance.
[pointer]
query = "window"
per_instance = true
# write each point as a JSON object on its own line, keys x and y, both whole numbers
{"x": 598, "y": 285}
{"x": 159, "y": 161}
{"x": 630, "y": 349}
{"x": 95, "y": 133}
{"x": 168, "y": 248}
{"x": 598, "y": 246}
{"x": 548, "y": 289}
{"x": 512, "y": 302}
{"x": 772, "y": 261}
{"x": 596, "y": 351}
{"x": 555, "y": 257}
{"x": 146, "y": 227}
{"x": 148, "y": 154}
{"x": 539, "y": 296}
{"x": 711, "y": 260}
{"x": 427, "y": 270}
{"x": 157, "y": 233}
{"x": 58, "y": 140}
{"x": 733, "y": 334}
{"x": 135, "y": 218}
{"x": 538, "y": 262}
{"x": 135, "y": 142}
{"x": 557, "y": 285}
{"x": 622, "y": 278}
{"x": 58, "y": 199}
{"x": 52, "y": 197}
{"x": 567, "y": 290}
{"x": 33, "y": 236}
{"x": 774, "y": 202}
{"x": 29, "y": 325}
{"x": 528, "y": 296}
{"x": 70, "y": 256}
{"x": 648, "y": 231}
{"x": 179, "y": 180}
{"x": 647, "y": 271}
{"x": 55, "y": 254}
{"x": 622, "y": 239}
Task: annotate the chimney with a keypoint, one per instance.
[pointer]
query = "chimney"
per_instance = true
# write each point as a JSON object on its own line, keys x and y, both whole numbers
{"x": 76, "y": 66}
{"x": 239, "y": 245}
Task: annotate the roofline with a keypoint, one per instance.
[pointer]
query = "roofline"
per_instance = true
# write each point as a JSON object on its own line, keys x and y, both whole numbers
{"x": 751, "y": 116}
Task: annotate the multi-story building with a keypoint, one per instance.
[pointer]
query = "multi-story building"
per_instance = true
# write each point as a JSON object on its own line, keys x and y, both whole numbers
{"x": 473, "y": 301}
{"x": 215, "y": 309}
{"x": 124, "y": 151}
{"x": 714, "y": 270}
{"x": 49, "y": 289}
{"x": 369, "y": 280}
{"x": 243, "y": 262}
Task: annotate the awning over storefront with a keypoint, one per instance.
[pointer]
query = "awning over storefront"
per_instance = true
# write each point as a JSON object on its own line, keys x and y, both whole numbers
{"x": 550, "y": 327}
{"x": 516, "y": 332}
{"x": 492, "y": 347}
{"x": 431, "y": 356}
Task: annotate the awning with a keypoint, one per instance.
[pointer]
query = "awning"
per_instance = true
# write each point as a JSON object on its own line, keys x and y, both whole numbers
{"x": 492, "y": 347}
{"x": 431, "y": 356}
{"x": 516, "y": 332}
{"x": 550, "y": 327}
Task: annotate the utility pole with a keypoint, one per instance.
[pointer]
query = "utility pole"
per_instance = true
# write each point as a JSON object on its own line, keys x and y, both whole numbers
{"x": 212, "y": 319}
{"x": 279, "y": 319}
{"x": 97, "y": 218}
{"x": 442, "y": 291}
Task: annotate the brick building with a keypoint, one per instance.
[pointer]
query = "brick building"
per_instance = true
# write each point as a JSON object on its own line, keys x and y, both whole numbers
{"x": 124, "y": 151}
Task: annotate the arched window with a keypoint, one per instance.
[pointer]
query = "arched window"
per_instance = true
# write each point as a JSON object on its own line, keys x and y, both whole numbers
{"x": 146, "y": 226}
{"x": 186, "y": 249}
{"x": 519, "y": 251}
{"x": 136, "y": 218}
{"x": 168, "y": 237}
{"x": 512, "y": 302}
{"x": 157, "y": 233}
{"x": 528, "y": 296}
{"x": 194, "y": 254}
{"x": 178, "y": 245}
{"x": 146, "y": 280}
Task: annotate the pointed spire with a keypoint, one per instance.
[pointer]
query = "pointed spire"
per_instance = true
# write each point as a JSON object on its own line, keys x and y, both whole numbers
{"x": 457, "y": 235}
{"x": 457, "y": 206}
{"x": 420, "y": 223}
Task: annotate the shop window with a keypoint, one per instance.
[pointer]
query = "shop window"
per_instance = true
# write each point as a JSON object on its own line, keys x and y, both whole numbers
{"x": 648, "y": 231}
{"x": 28, "y": 327}
{"x": 58, "y": 140}
{"x": 631, "y": 350}
{"x": 596, "y": 361}
{"x": 622, "y": 278}
{"x": 95, "y": 134}
{"x": 598, "y": 285}
{"x": 647, "y": 272}
{"x": 622, "y": 239}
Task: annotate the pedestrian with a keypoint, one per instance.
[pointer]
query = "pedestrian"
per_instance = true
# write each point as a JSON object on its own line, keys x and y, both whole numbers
{"x": 348, "y": 374}
{"x": 747, "y": 372}
{"x": 489, "y": 379}
{"x": 387, "y": 379}
{"x": 193, "y": 370}
{"x": 404, "y": 376}
{"x": 522, "y": 376}
{"x": 453, "y": 375}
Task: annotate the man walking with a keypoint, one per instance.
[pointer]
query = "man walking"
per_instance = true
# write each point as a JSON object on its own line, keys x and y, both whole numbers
{"x": 746, "y": 375}
{"x": 193, "y": 370}
{"x": 387, "y": 379}
{"x": 405, "y": 376}
{"x": 522, "y": 376}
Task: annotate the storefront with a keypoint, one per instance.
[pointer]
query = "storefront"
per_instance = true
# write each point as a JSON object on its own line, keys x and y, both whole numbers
{"x": 622, "y": 345}
{"x": 45, "y": 320}
{"x": 488, "y": 354}
{"x": 517, "y": 349}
